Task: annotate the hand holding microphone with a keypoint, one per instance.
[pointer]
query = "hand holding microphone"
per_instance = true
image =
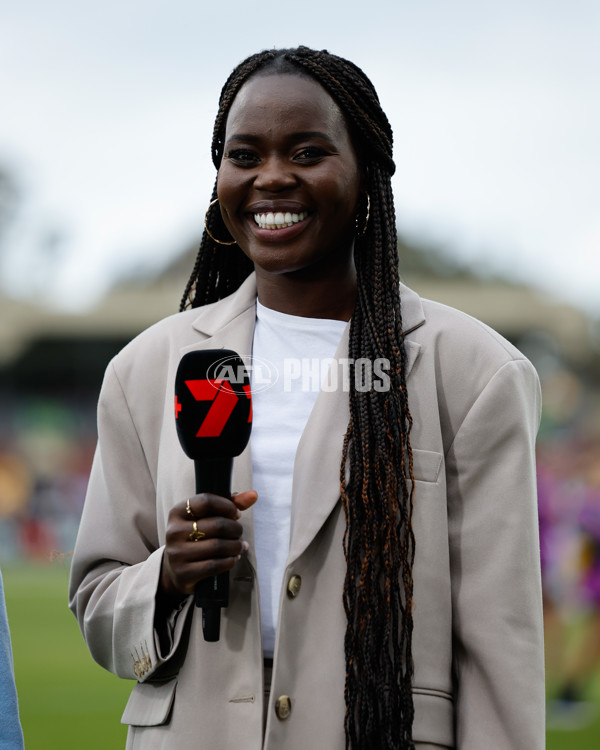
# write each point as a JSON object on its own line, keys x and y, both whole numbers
{"x": 213, "y": 412}
{"x": 215, "y": 552}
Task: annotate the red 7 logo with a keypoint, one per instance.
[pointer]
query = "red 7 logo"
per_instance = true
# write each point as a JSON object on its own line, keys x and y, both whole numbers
{"x": 224, "y": 399}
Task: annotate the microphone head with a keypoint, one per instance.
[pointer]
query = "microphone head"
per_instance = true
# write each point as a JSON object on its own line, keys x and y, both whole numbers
{"x": 213, "y": 404}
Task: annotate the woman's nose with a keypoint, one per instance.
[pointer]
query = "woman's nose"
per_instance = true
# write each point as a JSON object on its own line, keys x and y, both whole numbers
{"x": 275, "y": 174}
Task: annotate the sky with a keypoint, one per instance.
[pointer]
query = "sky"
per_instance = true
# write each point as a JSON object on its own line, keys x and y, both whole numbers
{"x": 107, "y": 113}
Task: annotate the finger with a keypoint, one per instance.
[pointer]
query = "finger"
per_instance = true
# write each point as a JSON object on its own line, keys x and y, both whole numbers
{"x": 182, "y": 531}
{"x": 211, "y": 527}
{"x": 205, "y": 569}
{"x": 244, "y": 500}
{"x": 206, "y": 505}
{"x": 183, "y": 560}
{"x": 212, "y": 549}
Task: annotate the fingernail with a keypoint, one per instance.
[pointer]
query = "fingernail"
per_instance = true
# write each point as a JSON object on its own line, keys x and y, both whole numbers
{"x": 245, "y": 546}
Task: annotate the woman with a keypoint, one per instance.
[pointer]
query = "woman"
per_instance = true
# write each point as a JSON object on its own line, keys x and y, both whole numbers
{"x": 390, "y": 567}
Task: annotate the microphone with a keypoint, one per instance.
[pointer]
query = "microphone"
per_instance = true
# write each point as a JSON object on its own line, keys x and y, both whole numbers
{"x": 213, "y": 416}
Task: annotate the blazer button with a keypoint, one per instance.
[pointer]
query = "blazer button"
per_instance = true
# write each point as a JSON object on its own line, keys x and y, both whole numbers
{"x": 283, "y": 707}
{"x": 293, "y": 587}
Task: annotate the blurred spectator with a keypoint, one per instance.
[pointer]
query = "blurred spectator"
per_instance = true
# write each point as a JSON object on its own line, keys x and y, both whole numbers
{"x": 11, "y": 735}
{"x": 569, "y": 505}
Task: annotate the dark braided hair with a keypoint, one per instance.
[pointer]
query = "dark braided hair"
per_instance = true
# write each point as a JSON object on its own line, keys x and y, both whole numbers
{"x": 378, "y": 495}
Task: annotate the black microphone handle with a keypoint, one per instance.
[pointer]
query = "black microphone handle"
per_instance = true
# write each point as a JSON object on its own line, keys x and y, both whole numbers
{"x": 213, "y": 475}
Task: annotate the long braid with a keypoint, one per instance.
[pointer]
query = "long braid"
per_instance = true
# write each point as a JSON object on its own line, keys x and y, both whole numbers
{"x": 218, "y": 271}
{"x": 377, "y": 497}
{"x": 378, "y": 502}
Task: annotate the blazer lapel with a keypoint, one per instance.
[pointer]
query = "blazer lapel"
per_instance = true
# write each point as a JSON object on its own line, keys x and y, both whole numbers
{"x": 316, "y": 483}
{"x": 229, "y": 324}
{"x": 315, "y": 489}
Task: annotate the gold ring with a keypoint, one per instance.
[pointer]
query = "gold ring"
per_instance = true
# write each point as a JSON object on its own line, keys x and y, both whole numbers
{"x": 196, "y": 535}
{"x": 188, "y": 509}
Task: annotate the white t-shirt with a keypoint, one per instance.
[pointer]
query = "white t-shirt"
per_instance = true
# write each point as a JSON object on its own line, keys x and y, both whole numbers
{"x": 299, "y": 351}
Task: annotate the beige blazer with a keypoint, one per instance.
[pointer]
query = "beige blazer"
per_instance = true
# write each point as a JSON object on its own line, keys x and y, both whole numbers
{"x": 478, "y": 640}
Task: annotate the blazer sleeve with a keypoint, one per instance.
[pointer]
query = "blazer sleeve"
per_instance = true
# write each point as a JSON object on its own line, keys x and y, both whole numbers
{"x": 117, "y": 559}
{"x": 498, "y": 656}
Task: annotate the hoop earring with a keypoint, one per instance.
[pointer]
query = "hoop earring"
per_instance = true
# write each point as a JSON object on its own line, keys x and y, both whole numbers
{"x": 363, "y": 231}
{"x": 210, "y": 234}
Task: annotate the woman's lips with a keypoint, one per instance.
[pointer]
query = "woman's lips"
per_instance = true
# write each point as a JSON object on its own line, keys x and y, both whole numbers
{"x": 278, "y": 226}
{"x": 273, "y": 220}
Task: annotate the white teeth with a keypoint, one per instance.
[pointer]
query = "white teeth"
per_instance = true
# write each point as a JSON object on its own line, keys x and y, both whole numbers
{"x": 278, "y": 220}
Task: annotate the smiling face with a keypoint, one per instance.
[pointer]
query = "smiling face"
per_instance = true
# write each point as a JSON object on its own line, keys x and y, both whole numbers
{"x": 289, "y": 181}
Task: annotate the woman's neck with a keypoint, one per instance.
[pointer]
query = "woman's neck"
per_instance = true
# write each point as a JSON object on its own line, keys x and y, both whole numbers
{"x": 300, "y": 293}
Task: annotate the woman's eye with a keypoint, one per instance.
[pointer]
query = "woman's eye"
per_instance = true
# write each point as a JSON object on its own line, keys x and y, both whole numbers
{"x": 309, "y": 154}
{"x": 242, "y": 156}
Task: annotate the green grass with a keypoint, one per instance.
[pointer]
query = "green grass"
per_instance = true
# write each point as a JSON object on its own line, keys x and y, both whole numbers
{"x": 583, "y": 739}
{"x": 68, "y": 702}
{"x": 586, "y": 738}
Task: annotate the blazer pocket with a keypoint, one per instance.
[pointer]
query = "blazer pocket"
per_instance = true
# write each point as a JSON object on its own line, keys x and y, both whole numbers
{"x": 150, "y": 704}
{"x": 426, "y": 465}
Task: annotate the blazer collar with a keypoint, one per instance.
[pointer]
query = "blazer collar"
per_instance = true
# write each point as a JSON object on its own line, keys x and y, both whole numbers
{"x": 218, "y": 315}
{"x": 214, "y": 317}
{"x": 413, "y": 315}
